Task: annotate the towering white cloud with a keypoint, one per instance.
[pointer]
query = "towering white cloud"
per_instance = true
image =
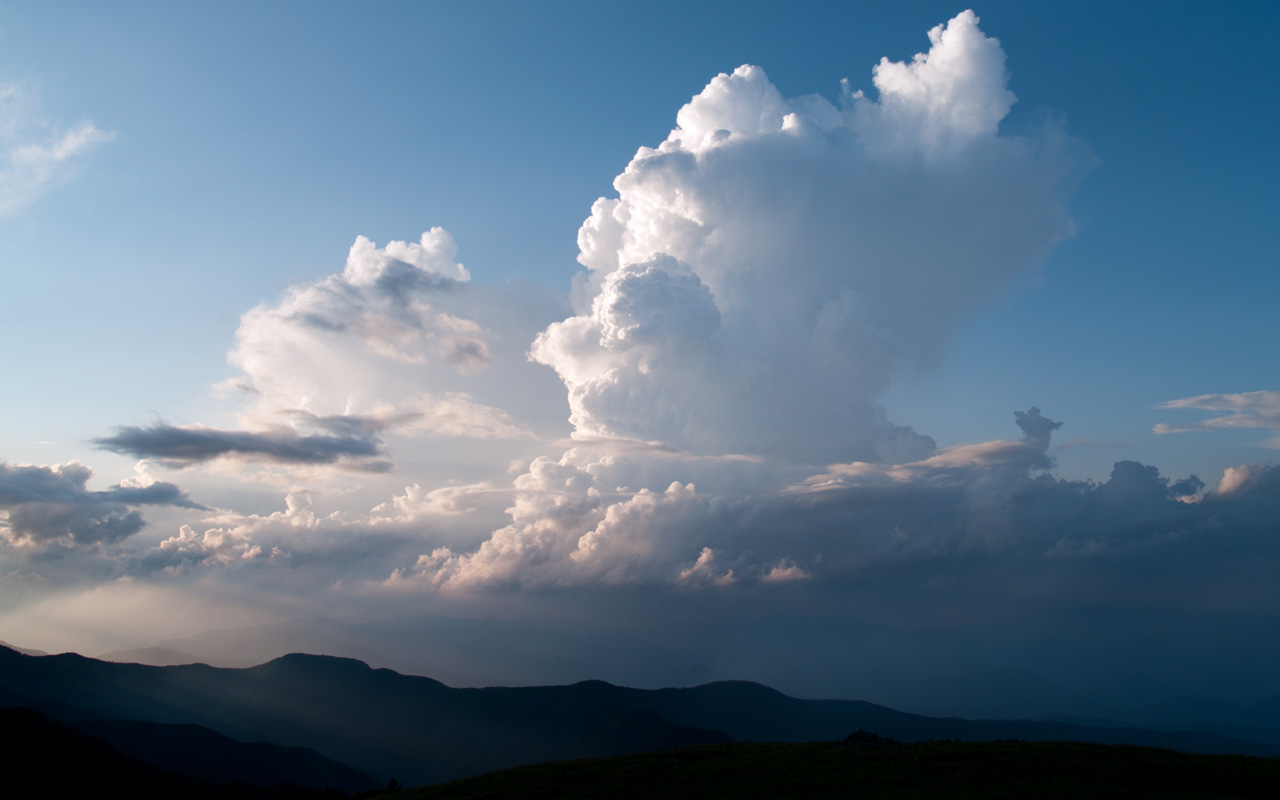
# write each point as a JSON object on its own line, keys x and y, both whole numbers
{"x": 750, "y": 290}
{"x": 763, "y": 269}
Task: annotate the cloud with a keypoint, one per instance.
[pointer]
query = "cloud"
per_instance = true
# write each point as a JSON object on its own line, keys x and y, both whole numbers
{"x": 703, "y": 571}
{"x": 727, "y": 478}
{"x": 395, "y": 321}
{"x": 417, "y": 503}
{"x": 231, "y": 542}
{"x": 34, "y": 158}
{"x": 399, "y": 343}
{"x": 455, "y": 414}
{"x": 50, "y": 505}
{"x": 1245, "y": 410}
{"x": 943, "y": 100}
{"x": 762, "y": 271}
{"x": 785, "y": 571}
{"x": 355, "y": 446}
{"x": 375, "y": 309}
{"x": 748, "y": 294}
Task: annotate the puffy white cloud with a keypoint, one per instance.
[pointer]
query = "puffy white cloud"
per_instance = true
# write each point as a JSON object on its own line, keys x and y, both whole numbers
{"x": 763, "y": 269}
{"x": 944, "y": 99}
{"x": 403, "y": 336}
{"x": 1245, "y": 410}
{"x": 323, "y": 347}
{"x": 417, "y": 503}
{"x": 399, "y": 265}
{"x": 216, "y": 545}
{"x": 231, "y": 541}
{"x": 749, "y": 292}
{"x": 565, "y": 531}
{"x": 343, "y": 373}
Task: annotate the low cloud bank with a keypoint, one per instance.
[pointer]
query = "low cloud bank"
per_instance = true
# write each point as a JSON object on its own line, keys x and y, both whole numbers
{"x": 50, "y": 506}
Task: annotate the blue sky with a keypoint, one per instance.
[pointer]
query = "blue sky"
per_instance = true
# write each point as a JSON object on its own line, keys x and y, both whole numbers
{"x": 252, "y": 143}
{"x": 233, "y": 153}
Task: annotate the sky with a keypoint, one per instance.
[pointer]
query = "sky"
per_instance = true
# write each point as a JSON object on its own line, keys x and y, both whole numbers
{"x": 821, "y": 344}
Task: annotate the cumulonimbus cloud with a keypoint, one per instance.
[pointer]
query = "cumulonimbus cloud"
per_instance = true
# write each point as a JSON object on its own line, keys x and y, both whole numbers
{"x": 763, "y": 270}
{"x": 749, "y": 293}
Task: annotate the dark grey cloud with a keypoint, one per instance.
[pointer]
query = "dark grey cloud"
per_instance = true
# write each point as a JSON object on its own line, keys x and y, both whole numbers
{"x": 351, "y": 442}
{"x": 334, "y": 303}
{"x": 45, "y": 504}
{"x": 402, "y": 282}
{"x": 1036, "y": 429}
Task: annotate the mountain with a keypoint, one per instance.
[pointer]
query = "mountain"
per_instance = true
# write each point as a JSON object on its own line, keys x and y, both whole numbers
{"x": 421, "y": 731}
{"x": 43, "y": 757}
{"x": 24, "y": 650}
{"x": 155, "y": 656}
{"x": 197, "y": 752}
{"x": 817, "y": 770}
{"x": 415, "y": 729}
{"x": 459, "y": 651}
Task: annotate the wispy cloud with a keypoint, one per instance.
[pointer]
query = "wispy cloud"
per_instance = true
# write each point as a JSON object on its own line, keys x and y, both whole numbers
{"x": 35, "y": 157}
{"x": 1244, "y": 410}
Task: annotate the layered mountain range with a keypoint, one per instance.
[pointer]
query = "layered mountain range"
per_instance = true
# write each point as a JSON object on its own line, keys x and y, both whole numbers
{"x": 326, "y": 721}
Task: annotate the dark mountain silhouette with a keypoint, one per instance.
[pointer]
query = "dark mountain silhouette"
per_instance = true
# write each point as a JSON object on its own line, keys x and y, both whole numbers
{"x": 45, "y": 758}
{"x": 415, "y": 729}
{"x": 24, "y": 650}
{"x": 1043, "y": 770}
{"x": 421, "y": 731}
{"x": 198, "y": 752}
{"x": 751, "y": 712}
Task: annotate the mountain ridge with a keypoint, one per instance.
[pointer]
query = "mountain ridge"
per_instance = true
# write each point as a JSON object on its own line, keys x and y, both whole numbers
{"x": 421, "y": 731}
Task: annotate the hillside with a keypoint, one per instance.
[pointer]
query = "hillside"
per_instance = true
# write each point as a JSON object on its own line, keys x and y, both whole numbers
{"x": 927, "y": 770}
{"x": 421, "y": 731}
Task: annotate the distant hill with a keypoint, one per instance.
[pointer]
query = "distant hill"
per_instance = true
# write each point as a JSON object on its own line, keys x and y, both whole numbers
{"x": 24, "y": 650}
{"x": 902, "y": 772}
{"x": 155, "y": 656}
{"x": 421, "y": 731}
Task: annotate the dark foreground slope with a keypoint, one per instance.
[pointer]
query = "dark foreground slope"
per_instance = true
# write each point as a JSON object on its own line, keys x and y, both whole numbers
{"x": 420, "y": 731}
{"x": 414, "y": 729}
{"x": 40, "y": 757}
{"x": 197, "y": 752}
{"x": 926, "y": 770}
